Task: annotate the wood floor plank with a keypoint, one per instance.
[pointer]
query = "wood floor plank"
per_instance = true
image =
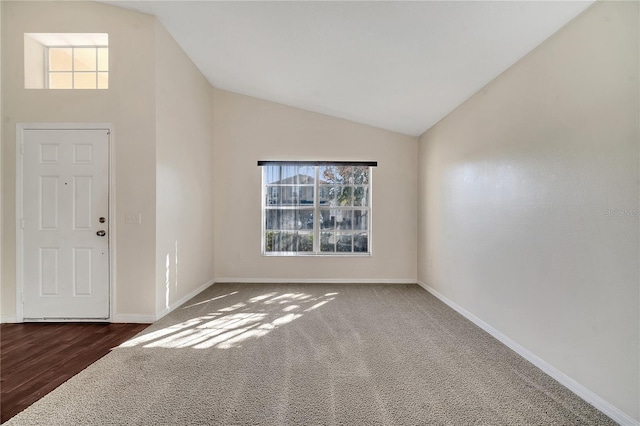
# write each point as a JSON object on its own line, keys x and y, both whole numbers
{"x": 35, "y": 358}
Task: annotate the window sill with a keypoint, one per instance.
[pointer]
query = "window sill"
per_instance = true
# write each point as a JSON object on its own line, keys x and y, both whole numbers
{"x": 316, "y": 254}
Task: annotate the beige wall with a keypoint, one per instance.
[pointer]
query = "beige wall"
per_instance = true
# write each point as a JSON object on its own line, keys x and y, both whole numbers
{"x": 184, "y": 174}
{"x": 247, "y": 130}
{"x": 129, "y": 105}
{"x": 33, "y": 63}
{"x": 528, "y": 213}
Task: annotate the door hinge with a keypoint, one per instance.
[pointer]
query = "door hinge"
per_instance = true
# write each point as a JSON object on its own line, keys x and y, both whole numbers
{"x": 21, "y": 223}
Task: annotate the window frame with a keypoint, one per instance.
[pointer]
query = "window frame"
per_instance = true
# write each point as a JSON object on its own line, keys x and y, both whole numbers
{"x": 73, "y": 47}
{"x": 316, "y": 209}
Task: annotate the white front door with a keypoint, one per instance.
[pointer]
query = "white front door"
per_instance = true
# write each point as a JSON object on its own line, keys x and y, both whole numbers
{"x": 65, "y": 195}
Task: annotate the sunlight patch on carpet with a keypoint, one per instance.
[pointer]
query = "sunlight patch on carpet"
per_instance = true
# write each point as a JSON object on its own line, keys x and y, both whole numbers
{"x": 230, "y": 326}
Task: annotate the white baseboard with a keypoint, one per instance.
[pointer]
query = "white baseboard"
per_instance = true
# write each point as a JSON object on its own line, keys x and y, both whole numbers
{"x": 134, "y": 318}
{"x": 316, "y": 280}
{"x": 584, "y": 393}
{"x": 137, "y": 318}
{"x": 149, "y": 319}
{"x": 184, "y": 299}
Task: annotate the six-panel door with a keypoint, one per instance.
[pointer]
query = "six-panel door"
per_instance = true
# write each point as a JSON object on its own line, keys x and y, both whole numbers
{"x": 65, "y": 195}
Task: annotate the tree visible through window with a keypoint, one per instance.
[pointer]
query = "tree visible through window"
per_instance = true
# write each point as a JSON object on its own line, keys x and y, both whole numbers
{"x": 316, "y": 208}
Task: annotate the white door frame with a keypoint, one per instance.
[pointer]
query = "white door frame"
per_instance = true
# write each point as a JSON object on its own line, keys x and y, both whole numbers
{"x": 20, "y": 128}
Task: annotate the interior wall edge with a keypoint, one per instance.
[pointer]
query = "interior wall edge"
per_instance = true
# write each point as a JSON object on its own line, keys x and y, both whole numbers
{"x": 184, "y": 299}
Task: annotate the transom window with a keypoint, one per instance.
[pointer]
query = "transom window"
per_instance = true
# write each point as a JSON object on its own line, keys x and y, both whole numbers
{"x": 66, "y": 61}
{"x": 316, "y": 208}
{"x": 78, "y": 67}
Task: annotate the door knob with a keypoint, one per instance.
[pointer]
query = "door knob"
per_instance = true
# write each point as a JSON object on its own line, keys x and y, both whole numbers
{"x": 101, "y": 233}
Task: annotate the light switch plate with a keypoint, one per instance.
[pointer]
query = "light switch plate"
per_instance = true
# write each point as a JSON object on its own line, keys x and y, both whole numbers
{"x": 135, "y": 218}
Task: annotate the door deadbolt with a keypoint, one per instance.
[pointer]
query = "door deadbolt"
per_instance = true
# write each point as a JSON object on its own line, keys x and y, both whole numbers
{"x": 101, "y": 233}
{"x": 102, "y": 220}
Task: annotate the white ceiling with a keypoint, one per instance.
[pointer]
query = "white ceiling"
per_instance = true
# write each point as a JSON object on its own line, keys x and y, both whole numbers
{"x": 401, "y": 66}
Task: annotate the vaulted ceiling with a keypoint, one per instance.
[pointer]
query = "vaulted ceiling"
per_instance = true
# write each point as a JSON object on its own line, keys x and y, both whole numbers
{"x": 400, "y": 66}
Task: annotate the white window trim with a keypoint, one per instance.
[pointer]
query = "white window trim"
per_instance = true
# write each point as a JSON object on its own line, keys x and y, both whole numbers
{"x": 316, "y": 221}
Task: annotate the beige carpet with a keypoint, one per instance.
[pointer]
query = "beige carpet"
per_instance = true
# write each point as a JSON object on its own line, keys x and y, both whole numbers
{"x": 254, "y": 354}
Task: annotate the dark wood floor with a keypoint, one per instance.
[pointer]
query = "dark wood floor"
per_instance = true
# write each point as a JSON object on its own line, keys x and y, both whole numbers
{"x": 37, "y": 358}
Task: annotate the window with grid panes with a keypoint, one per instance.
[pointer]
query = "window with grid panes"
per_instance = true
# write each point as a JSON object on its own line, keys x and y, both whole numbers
{"x": 316, "y": 208}
{"x": 78, "y": 67}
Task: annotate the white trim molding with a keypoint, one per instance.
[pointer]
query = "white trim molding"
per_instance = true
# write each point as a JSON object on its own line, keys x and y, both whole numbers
{"x": 8, "y": 320}
{"x": 316, "y": 280}
{"x": 133, "y": 318}
{"x": 607, "y": 408}
{"x": 149, "y": 319}
{"x": 184, "y": 299}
